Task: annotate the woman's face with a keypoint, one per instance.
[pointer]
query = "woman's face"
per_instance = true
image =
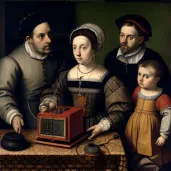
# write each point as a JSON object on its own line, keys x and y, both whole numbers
{"x": 82, "y": 50}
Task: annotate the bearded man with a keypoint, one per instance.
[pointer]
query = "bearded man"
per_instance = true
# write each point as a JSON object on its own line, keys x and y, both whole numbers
{"x": 123, "y": 61}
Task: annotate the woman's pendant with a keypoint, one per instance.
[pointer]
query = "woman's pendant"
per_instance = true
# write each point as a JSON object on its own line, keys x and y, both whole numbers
{"x": 81, "y": 101}
{"x": 81, "y": 98}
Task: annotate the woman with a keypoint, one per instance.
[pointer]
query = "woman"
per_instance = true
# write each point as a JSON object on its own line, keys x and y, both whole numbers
{"x": 103, "y": 97}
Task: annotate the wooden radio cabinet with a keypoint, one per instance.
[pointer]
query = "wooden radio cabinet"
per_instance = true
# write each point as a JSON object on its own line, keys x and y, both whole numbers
{"x": 61, "y": 127}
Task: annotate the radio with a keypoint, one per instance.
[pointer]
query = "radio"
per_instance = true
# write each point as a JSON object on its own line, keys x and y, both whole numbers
{"x": 63, "y": 126}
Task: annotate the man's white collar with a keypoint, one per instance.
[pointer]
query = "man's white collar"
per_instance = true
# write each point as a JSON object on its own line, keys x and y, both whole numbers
{"x": 133, "y": 57}
{"x": 32, "y": 54}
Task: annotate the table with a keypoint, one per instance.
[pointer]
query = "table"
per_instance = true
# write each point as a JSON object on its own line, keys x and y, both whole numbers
{"x": 40, "y": 157}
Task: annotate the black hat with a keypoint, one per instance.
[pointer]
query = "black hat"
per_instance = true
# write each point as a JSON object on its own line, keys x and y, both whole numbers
{"x": 29, "y": 22}
{"x": 139, "y": 21}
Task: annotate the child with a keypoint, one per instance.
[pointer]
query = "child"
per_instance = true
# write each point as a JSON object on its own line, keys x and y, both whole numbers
{"x": 149, "y": 127}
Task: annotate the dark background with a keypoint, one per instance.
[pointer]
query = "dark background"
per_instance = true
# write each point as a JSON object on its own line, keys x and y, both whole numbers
{"x": 67, "y": 14}
{"x": 61, "y": 16}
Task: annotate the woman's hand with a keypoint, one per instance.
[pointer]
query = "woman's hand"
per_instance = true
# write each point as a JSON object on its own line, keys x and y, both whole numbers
{"x": 17, "y": 123}
{"x": 160, "y": 141}
{"x": 96, "y": 129}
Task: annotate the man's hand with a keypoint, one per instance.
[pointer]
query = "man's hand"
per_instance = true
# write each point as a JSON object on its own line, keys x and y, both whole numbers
{"x": 52, "y": 105}
{"x": 47, "y": 106}
{"x": 96, "y": 129}
{"x": 17, "y": 123}
{"x": 160, "y": 141}
{"x": 44, "y": 108}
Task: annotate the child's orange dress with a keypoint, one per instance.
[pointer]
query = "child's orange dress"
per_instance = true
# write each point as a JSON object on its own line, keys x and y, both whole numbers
{"x": 143, "y": 128}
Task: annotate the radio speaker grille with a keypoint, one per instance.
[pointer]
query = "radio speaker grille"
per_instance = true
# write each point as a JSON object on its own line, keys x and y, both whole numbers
{"x": 52, "y": 127}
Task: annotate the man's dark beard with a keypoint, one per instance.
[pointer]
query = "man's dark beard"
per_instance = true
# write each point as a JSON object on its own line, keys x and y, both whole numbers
{"x": 123, "y": 49}
{"x": 127, "y": 49}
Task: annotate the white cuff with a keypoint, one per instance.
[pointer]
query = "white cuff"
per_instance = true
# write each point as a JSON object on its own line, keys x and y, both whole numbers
{"x": 10, "y": 114}
{"x": 164, "y": 136}
{"x": 104, "y": 124}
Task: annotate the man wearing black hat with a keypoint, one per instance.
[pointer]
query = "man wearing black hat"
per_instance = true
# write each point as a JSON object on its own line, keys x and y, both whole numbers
{"x": 26, "y": 71}
{"x": 135, "y": 30}
{"x": 123, "y": 62}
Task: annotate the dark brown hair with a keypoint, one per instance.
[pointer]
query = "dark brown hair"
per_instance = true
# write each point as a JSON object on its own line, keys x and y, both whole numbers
{"x": 153, "y": 64}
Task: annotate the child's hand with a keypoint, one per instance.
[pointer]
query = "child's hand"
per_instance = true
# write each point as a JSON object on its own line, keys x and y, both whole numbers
{"x": 96, "y": 129}
{"x": 160, "y": 141}
{"x": 17, "y": 123}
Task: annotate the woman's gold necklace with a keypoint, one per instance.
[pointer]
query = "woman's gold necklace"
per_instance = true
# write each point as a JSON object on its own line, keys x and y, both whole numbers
{"x": 88, "y": 71}
{"x": 81, "y": 97}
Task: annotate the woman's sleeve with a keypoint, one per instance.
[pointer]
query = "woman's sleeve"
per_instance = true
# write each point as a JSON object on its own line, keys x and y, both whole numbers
{"x": 117, "y": 101}
{"x": 58, "y": 91}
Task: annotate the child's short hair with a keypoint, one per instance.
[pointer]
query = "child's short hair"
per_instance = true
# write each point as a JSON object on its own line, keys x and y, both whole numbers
{"x": 153, "y": 64}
